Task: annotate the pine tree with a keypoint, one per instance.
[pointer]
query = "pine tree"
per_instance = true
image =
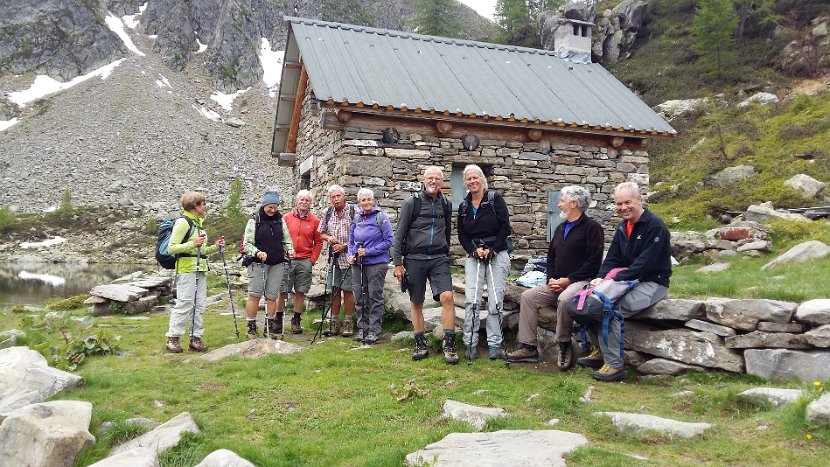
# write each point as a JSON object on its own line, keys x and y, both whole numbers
{"x": 517, "y": 19}
{"x": 712, "y": 35}
{"x": 438, "y": 18}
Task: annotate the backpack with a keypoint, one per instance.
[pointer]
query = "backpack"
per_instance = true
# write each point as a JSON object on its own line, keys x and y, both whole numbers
{"x": 596, "y": 305}
{"x": 491, "y": 195}
{"x": 164, "y": 258}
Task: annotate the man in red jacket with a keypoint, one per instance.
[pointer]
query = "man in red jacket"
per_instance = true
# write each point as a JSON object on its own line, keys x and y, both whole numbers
{"x": 302, "y": 226}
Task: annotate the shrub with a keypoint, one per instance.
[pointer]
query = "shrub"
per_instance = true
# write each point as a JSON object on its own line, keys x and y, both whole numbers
{"x": 8, "y": 220}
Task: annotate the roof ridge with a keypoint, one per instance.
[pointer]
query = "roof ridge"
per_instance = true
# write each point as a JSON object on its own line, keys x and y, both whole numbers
{"x": 421, "y": 37}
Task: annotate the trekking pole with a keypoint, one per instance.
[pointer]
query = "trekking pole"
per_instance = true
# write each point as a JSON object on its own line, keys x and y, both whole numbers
{"x": 264, "y": 282}
{"x": 492, "y": 291}
{"x": 338, "y": 286}
{"x": 196, "y": 289}
{"x": 228, "y": 281}
{"x": 282, "y": 327}
{"x": 329, "y": 275}
{"x": 473, "y": 314}
{"x": 364, "y": 291}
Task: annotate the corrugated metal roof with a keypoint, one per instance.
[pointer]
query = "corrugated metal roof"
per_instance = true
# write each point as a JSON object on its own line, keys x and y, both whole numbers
{"x": 357, "y": 64}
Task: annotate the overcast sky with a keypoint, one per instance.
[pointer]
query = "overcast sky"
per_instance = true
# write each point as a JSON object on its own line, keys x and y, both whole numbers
{"x": 484, "y": 7}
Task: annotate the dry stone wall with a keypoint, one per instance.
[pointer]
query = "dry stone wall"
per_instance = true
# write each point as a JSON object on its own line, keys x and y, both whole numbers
{"x": 523, "y": 172}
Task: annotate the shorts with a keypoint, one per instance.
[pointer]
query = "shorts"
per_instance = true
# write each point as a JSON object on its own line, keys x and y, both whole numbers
{"x": 341, "y": 278}
{"x": 297, "y": 278}
{"x": 437, "y": 270}
{"x": 273, "y": 278}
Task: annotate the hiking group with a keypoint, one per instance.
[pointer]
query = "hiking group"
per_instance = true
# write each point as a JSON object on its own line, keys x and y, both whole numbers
{"x": 280, "y": 251}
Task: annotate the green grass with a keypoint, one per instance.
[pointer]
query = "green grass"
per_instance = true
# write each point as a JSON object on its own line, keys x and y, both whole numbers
{"x": 331, "y": 405}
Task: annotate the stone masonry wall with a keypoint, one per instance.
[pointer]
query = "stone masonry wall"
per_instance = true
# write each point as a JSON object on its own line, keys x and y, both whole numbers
{"x": 523, "y": 172}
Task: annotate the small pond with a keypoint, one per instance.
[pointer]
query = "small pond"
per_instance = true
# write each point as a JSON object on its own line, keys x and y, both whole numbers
{"x": 32, "y": 283}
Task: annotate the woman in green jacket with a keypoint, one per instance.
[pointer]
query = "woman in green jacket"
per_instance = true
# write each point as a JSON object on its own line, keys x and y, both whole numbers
{"x": 187, "y": 241}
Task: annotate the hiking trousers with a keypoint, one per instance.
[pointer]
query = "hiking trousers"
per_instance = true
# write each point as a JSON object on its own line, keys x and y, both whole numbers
{"x": 500, "y": 267}
{"x": 370, "y": 316}
{"x": 182, "y": 313}
{"x": 634, "y": 301}
{"x": 535, "y": 298}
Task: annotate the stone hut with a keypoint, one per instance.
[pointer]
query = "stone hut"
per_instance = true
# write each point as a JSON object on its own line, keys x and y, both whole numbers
{"x": 367, "y": 107}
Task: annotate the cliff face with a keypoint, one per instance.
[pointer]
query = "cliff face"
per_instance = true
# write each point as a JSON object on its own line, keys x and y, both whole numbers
{"x": 59, "y": 38}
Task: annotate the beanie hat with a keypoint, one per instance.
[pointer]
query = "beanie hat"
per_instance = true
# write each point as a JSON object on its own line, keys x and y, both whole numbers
{"x": 271, "y": 197}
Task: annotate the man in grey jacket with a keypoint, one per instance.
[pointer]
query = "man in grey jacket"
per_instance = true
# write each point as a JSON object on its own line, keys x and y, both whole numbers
{"x": 421, "y": 252}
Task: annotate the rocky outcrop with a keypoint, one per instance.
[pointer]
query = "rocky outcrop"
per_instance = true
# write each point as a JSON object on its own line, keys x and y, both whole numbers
{"x": 808, "y": 186}
{"x": 812, "y": 249}
{"x": 59, "y": 38}
{"x": 617, "y": 30}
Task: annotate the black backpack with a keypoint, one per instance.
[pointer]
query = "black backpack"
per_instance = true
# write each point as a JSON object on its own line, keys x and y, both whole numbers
{"x": 416, "y": 211}
{"x": 164, "y": 258}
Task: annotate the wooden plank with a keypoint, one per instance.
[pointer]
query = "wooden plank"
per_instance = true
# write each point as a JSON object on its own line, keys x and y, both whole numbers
{"x": 291, "y": 142}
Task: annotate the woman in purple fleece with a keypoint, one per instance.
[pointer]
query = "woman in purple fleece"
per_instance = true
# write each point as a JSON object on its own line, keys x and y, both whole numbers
{"x": 370, "y": 239}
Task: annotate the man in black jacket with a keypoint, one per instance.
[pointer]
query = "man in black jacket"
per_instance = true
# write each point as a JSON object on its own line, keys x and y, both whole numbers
{"x": 574, "y": 257}
{"x": 421, "y": 253}
{"x": 641, "y": 253}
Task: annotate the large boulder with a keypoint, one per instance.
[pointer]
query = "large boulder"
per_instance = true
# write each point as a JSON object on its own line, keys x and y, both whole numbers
{"x": 47, "y": 434}
{"x": 744, "y": 314}
{"x": 812, "y": 249}
{"x": 806, "y": 185}
{"x": 731, "y": 175}
{"x": 643, "y": 424}
{"x": 528, "y": 448}
{"x": 818, "y": 411}
{"x": 762, "y": 98}
{"x": 26, "y": 378}
{"x": 784, "y": 364}
{"x": 681, "y": 107}
{"x": 683, "y": 345}
{"x": 819, "y": 337}
{"x": 765, "y": 212}
{"x": 617, "y": 30}
{"x": 740, "y": 230}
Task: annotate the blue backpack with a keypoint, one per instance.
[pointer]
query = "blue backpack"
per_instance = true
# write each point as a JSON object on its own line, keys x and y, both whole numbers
{"x": 164, "y": 258}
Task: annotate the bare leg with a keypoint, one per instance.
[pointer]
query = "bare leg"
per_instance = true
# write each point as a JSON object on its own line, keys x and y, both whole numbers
{"x": 348, "y": 303}
{"x": 252, "y": 306}
{"x": 447, "y": 310}
{"x": 299, "y": 300}
{"x": 417, "y": 312}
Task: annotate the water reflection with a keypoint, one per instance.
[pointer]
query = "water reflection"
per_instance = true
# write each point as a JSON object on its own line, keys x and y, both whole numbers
{"x": 32, "y": 283}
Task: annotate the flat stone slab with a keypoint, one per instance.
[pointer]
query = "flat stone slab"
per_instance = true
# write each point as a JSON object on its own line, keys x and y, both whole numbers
{"x": 26, "y": 378}
{"x": 474, "y": 415}
{"x": 641, "y": 423}
{"x": 662, "y": 366}
{"x": 802, "y": 252}
{"x": 674, "y": 309}
{"x": 163, "y": 437}
{"x": 706, "y": 326}
{"x": 714, "y": 267}
{"x": 253, "y": 348}
{"x": 784, "y": 364}
{"x": 744, "y": 314}
{"x": 819, "y": 337}
{"x": 767, "y": 340}
{"x": 683, "y": 345}
{"x": 119, "y": 292}
{"x": 136, "y": 457}
{"x": 527, "y": 448}
{"x": 780, "y": 327}
{"x": 775, "y": 396}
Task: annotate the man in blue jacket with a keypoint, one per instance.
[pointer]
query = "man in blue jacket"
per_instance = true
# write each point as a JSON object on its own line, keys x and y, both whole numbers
{"x": 640, "y": 251}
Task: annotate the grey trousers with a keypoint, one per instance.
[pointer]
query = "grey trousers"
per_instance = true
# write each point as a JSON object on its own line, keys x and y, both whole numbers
{"x": 182, "y": 313}
{"x": 636, "y": 300}
{"x": 368, "y": 303}
{"x": 537, "y": 297}
{"x": 492, "y": 275}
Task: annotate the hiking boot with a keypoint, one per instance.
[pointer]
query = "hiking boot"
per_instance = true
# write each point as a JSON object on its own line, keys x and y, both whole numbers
{"x": 295, "y": 324}
{"x": 252, "y": 331}
{"x": 278, "y": 322}
{"x": 526, "y": 353}
{"x": 272, "y": 327}
{"x": 371, "y": 339}
{"x": 421, "y": 349}
{"x": 495, "y": 353}
{"x": 593, "y": 360}
{"x": 609, "y": 373}
{"x": 565, "y": 359}
{"x": 197, "y": 345}
{"x": 348, "y": 328}
{"x": 334, "y": 328}
{"x": 470, "y": 353}
{"x": 449, "y": 349}
{"x": 173, "y": 345}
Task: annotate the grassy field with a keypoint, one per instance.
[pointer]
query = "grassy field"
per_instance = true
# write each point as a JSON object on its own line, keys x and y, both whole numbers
{"x": 331, "y": 404}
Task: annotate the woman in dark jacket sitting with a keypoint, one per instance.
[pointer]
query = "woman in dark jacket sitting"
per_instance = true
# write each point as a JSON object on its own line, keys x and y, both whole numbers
{"x": 370, "y": 239}
{"x": 483, "y": 228}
